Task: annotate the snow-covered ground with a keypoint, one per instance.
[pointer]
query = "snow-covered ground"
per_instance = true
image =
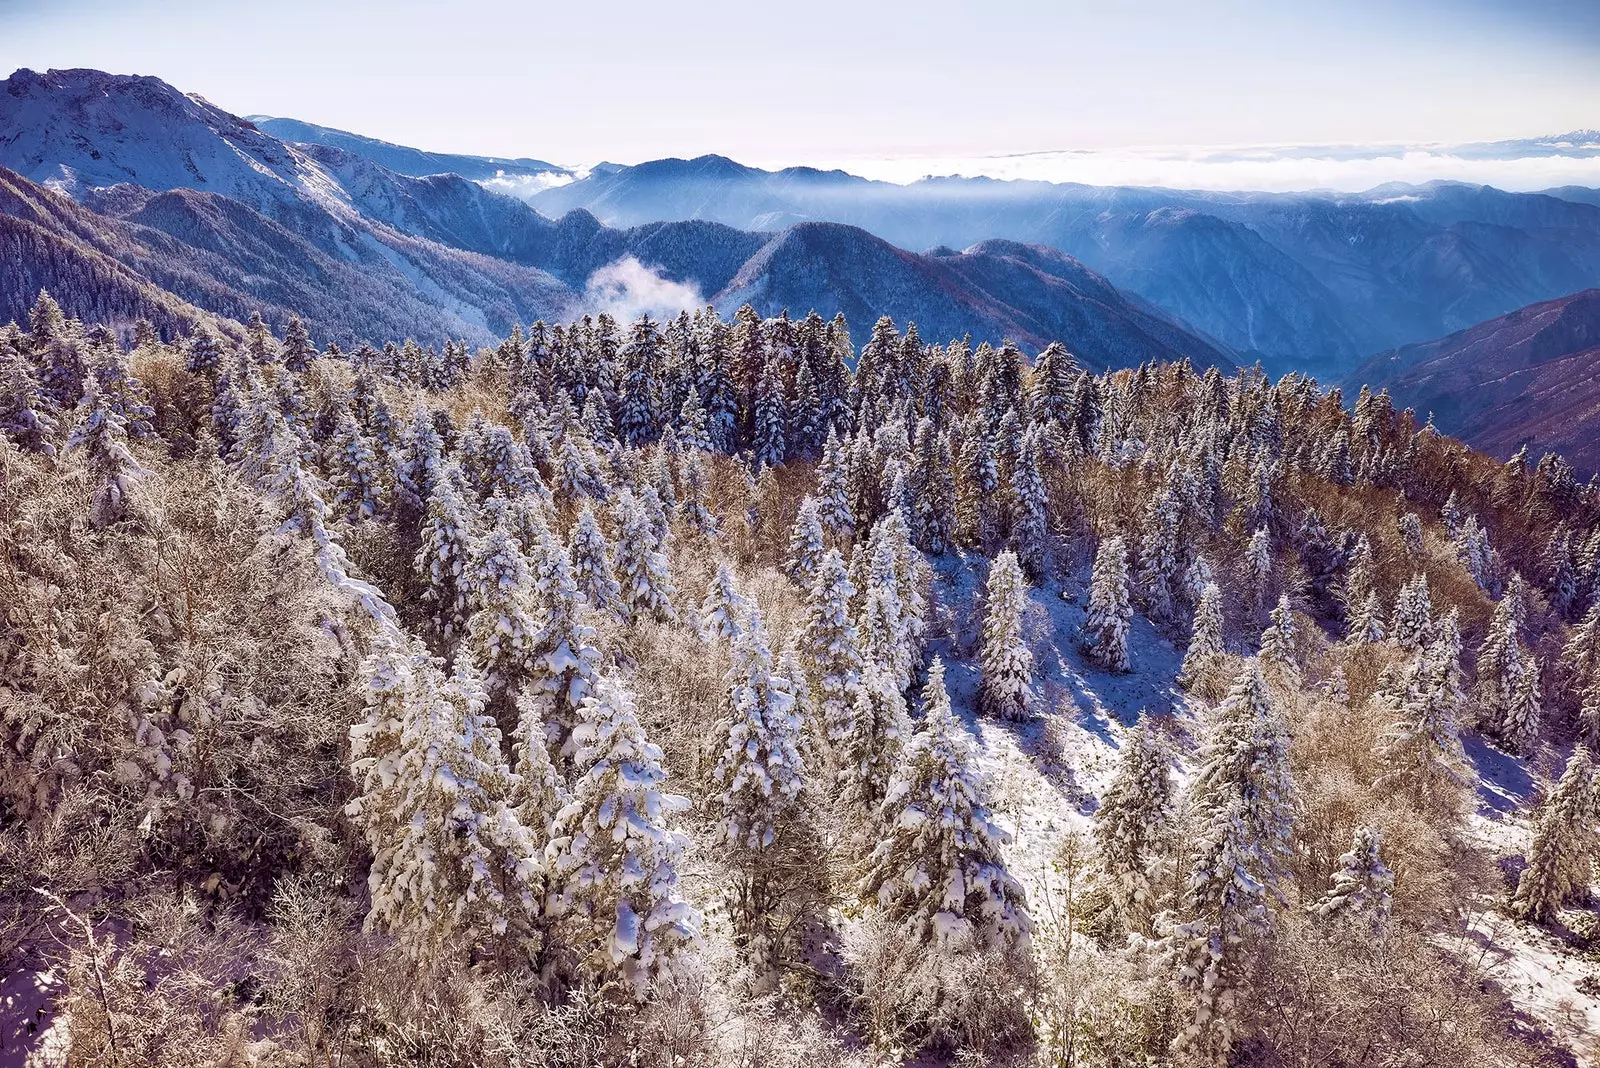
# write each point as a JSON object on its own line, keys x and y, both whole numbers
{"x": 1046, "y": 772}
{"x": 1544, "y": 972}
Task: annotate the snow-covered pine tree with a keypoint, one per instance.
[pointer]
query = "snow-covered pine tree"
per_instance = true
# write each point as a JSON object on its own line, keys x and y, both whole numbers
{"x": 833, "y": 490}
{"x": 878, "y": 730}
{"x": 1366, "y": 621}
{"x": 1258, "y": 570}
{"x": 724, "y": 612}
{"x": 614, "y": 855}
{"x": 697, "y": 512}
{"x": 1158, "y": 556}
{"x": 1277, "y": 644}
{"x": 772, "y": 416}
{"x": 1561, "y": 856}
{"x": 100, "y": 432}
{"x": 938, "y": 866}
{"x": 806, "y": 544}
{"x": 1413, "y": 614}
{"x": 756, "y": 786}
{"x": 1134, "y": 827}
{"x": 1507, "y": 694}
{"x": 562, "y": 664}
{"x": 1206, "y": 642}
{"x": 1422, "y": 745}
{"x": 1362, "y": 887}
{"x": 591, "y": 564}
{"x": 1105, "y": 629}
{"x": 642, "y": 569}
{"x": 1411, "y": 533}
{"x": 1030, "y": 504}
{"x": 1246, "y": 758}
{"x": 444, "y": 558}
{"x": 500, "y": 629}
{"x": 1005, "y": 687}
{"x": 453, "y": 867}
{"x": 1241, "y": 800}
{"x": 356, "y": 477}
{"x": 830, "y": 649}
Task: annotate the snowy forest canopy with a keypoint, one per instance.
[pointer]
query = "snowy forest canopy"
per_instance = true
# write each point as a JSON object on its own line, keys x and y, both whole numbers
{"x": 691, "y": 688}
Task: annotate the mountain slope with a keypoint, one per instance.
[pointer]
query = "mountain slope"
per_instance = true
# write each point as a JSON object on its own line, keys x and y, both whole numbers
{"x": 1529, "y": 378}
{"x": 207, "y": 206}
{"x": 413, "y": 162}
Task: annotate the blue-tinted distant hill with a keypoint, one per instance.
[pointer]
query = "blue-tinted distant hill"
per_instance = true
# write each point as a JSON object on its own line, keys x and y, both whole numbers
{"x": 402, "y": 160}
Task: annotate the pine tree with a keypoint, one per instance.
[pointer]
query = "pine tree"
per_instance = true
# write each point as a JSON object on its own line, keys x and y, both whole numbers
{"x": 562, "y": 663}
{"x": 443, "y": 559}
{"x": 696, "y": 511}
{"x": 833, "y": 490}
{"x": 1005, "y": 687}
{"x": 830, "y": 648}
{"x": 1413, "y": 614}
{"x": 1366, "y": 622}
{"x": 724, "y": 613}
{"x": 1241, "y": 799}
{"x": 938, "y": 866}
{"x": 614, "y": 856}
{"x": 100, "y": 433}
{"x": 806, "y": 544}
{"x": 1258, "y": 569}
{"x": 642, "y": 569}
{"x": 591, "y": 565}
{"x": 1277, "y": 644}
{"x": 1158, "y": 557}
{"x": 756, "y": 784}
{"x": 1206, "y": 643}
{"x": 1105, "y": 629}
{"x": 1561, "y": 857}
{"x": 1134, "y": 826}
{"x": 1362, "y": 886}
{"x": 452, "y": 865}
{"x": 499, "y": 633}
{"x": 355, "y": 472}
{"x": 1422, "y": 746}
{"x": 878, "y": 730}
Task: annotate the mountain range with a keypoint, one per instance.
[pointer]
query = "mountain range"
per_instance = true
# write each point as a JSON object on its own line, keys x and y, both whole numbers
{"x": 1530, "y": 378}
{"x": 125, "y": 188}
{"x": 1308, "y": 280}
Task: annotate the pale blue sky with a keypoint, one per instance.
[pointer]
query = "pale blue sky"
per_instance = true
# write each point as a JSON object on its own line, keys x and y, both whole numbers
{"x": 834, "y": 80}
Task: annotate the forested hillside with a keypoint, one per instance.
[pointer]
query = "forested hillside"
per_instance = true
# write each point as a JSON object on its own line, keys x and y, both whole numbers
{"x": 721, "y": 693}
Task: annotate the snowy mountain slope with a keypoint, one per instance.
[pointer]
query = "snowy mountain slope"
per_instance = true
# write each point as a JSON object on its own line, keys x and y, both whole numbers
{"x": 300, "y": 229}
{"x": 76, "y": 130}
{"x": 408, "y": 161}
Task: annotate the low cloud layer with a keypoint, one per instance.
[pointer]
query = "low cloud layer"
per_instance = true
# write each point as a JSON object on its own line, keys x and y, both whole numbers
{"x": 627, "y": 289}
{"x": 1513, "y": 165}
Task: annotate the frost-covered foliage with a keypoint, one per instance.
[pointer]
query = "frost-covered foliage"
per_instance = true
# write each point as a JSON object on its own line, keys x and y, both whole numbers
{"x": 1105, "y": 630}
{"x": 1363, "y": 887}
{"x": 1135, "y": 826}
{"x": 177, "y": 682}
{"x": 452, "y": 865}
{"x": 1561, "y": 857}
{"x": 938, "y": 866}
{"x": 614, "y": 853}
{"x": 1006, "y": 687}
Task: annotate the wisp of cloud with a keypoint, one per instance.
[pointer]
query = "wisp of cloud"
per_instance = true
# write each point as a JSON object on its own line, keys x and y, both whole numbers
{"x": 626, "y": 289}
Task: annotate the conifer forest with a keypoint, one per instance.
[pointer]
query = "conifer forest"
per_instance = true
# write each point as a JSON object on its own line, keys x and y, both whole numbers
{"x": 774, "y": 692}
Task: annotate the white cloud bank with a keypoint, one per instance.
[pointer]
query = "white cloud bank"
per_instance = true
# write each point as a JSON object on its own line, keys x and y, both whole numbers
{"x": 1512, "y": 165}
{"x": 627, "y": 289}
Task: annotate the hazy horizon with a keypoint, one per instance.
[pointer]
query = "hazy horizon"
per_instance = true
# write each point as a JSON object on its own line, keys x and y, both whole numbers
{"x": 892, "y": 90}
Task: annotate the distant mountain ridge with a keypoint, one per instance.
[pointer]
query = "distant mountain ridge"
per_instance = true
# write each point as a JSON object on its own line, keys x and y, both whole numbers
{"x": 206, "y": 206}
{"x": 1528, "y": 378}
{"x": 1308, "y": 280}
